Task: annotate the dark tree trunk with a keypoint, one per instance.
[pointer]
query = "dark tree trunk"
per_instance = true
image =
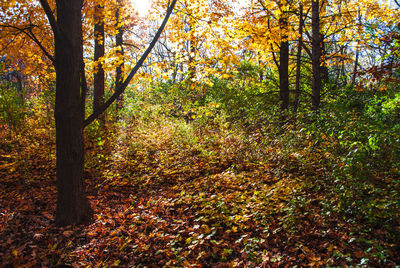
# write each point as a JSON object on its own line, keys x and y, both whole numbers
{"x": 20, "y": 85}
{"x": 316, "y": 56}
{"x": 324, "y": 67}
{"x": 119, "y": 41}
{"x": 72, "y": 205}
{"x": 284, "y": 65}
{"x": 354, "y": 76}
{"x": 99, "y": 51}
{"x": 298, "y": 61}
{"x": 355, "y": 69}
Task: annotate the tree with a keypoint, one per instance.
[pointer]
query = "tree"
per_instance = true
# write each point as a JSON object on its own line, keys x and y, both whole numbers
{"x": 316, "y": 55}
{"x": 120, "y": 90}
{"x": 284, "y": 61}
{"x": 119, "y": 41}
{"x": 25, "y": 39}
{"x": 298, "y": 60}
{"x": 271, "y": 30}
{"x": 99, "y": 52}
{"x": 72, "y": 204}
{"x": 198, "y": 38}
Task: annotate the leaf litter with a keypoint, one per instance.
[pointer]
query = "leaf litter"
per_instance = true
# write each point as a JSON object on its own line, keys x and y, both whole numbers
{"x": 201, "y": 200}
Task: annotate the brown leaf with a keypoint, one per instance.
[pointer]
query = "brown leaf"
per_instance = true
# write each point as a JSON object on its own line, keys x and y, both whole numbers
{"x": 68, "y": 233}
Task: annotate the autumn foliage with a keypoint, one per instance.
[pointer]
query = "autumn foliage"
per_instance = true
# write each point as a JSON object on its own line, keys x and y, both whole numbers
{"x": 255, "y": 134}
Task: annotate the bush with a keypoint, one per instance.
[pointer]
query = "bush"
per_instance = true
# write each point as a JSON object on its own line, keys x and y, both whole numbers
{"x": 12, "y": 107}
{"x": 364, "y": 133}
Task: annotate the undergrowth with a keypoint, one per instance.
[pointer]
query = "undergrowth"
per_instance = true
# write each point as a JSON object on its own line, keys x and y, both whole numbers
{"x": 321, "y": 190}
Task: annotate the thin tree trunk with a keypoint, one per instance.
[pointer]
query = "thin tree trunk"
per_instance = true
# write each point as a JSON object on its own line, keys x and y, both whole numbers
{"x": 284, "y": 65}
{"x": 175, "y": 66}
{"x": 343, "y": 70}
{"x": 119, "y": 91}
{"x": 324, "y": 67}
{"x": 192, "y": 52}
{"x": 261, "y": 72}
{"x": 316, "y": 56}
{"x": 72, "y": 205}
{"x": 354, "y": 76}
{"x": 119, "y": 41}
{"x": 99, "y": 52}
{"x": 298, "y": 61}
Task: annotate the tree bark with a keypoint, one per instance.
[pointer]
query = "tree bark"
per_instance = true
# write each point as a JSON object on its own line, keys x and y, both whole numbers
{"x": 119, "y": 40}
{"x": 284, "y": 65}
{"x": 72, "y": 205}
{"x": 298, "y": 61}
{"x": 99, "y": 51}
{"x": 316, "y": 56}
{"x": 324, "y": 66}
{"x": 355, "y": 69}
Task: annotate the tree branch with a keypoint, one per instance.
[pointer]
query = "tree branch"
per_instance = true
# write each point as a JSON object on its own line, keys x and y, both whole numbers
{"x": 50, "y": 16}
{"x": 84, "y": 87}
{"x": 48, "y": 55}
{"x": 306, "y": 49}
{"x": 125, "y": 84}
{"x": 28, "y": 32}
{"x": 131, "y": 45}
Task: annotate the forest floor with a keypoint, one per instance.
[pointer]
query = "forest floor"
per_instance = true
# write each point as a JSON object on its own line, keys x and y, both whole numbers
{"x": 171, "y": 194}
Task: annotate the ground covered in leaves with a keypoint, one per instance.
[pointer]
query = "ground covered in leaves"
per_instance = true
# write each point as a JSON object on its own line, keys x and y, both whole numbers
{"x": 180, "y": 195}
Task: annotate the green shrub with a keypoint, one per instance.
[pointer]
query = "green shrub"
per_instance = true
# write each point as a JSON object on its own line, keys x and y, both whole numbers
{"x": 12, "y": 107}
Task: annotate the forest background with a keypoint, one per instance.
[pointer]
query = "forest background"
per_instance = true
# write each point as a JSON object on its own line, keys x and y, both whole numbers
{"x": 251, "y": 133}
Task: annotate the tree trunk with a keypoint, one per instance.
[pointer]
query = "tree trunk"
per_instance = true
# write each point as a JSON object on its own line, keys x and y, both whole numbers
{"x": 354, "y": 76}
{"x": 355, "y": 69}
{"x": 99, "y": 51}
{"x": 119, "y": 41}
{"x": 284, "y": 65}
{"x": 192, "y": 52}
{"x": 298, "y": 61}
{"x": 119, "y": 91}
{"x": 72, "y": 205}
{"x": 324, "y": 66}
{"x": 316, "y": 56}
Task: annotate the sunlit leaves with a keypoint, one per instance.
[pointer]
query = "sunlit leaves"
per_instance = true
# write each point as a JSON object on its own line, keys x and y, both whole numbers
{"x": 20, "y": 21}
